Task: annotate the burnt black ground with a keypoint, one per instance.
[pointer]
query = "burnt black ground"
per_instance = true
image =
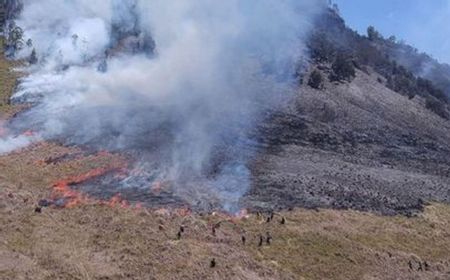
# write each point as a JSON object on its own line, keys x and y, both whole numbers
{"x": 353, "y": 145}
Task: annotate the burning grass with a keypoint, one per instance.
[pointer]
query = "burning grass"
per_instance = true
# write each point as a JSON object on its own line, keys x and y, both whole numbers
{"x": 58, "y": 177}
{"x": 68, "y": 197}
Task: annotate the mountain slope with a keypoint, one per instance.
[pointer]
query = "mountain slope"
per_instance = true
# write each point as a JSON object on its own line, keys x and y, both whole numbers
{"x": 357, "y": 145}
{"x": 405, "y": 70}
{"x": 369, "y": 140}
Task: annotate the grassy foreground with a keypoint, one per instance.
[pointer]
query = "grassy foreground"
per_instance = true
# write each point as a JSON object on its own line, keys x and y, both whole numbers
{"x": 95, "y": 241}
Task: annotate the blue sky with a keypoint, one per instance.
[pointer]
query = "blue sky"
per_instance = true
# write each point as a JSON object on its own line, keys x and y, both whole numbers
{"x": 425, "y": 24}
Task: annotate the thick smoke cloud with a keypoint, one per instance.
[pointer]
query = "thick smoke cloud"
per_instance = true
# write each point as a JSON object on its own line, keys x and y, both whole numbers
{"x": 179, "y": 84}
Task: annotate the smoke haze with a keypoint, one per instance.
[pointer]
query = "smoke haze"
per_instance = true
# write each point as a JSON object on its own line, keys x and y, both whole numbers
{"x": 178, "y": 84}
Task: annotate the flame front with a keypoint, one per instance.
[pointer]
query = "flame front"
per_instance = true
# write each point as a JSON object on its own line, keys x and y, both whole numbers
{"x": 66, "y": 196}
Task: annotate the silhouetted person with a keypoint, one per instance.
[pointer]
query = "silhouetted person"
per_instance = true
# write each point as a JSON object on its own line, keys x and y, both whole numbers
{"x": 243, "y": 239}
{"x": 268, "y": 238}
{"x": 212, "y": 263}
{"x": 420, "y": 267}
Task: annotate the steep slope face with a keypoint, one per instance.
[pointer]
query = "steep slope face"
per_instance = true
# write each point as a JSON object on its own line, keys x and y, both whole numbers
{"x": 354, "y": 145}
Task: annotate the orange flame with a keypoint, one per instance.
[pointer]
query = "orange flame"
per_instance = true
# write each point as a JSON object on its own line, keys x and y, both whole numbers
{"x": 71, "y": 197}
{"x": 62, "y": 189}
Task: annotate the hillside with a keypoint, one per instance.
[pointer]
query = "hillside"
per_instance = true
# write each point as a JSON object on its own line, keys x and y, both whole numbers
{"x": 349, "y": 180}
{"x": 406, "y": 71}
{"x": 355, "y": 141}
{"x": 357, "y": 145}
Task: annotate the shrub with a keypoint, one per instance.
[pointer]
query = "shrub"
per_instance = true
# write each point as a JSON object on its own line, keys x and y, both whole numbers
{"x": 437, "y": 107}
{"x": 316, "y": 80}
{"x": 426, "y": 86}
{"x": 321, "y": 49}
{"x": 343, "y": 69}
{"x": 14, "y": 40}
{"x": 404, "y": 85}
{"x": 33, "y": 57}
{"x": 373, "y": 34}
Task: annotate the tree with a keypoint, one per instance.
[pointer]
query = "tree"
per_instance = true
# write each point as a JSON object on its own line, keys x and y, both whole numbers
{"x": 15, "y": 39}
{"x": 33, "y": 57}
{"x": 392, "y": 39}
{"x": 343, "y": 68}
{"x": 426, "y": 86}
{"x": 336, "y": 9}
{"x": 373, "y": 34}
{"x": 322, "y": 50}
{"x": 438, "y": 107}
{"x": 315, "y": 80}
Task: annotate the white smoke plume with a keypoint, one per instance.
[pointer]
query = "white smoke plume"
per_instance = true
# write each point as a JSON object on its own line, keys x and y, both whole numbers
{"x": 11, "y": 143}
{"x": 179, "y": 83}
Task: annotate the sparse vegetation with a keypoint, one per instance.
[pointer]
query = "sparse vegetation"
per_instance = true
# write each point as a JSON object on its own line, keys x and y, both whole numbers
{"x": 335, "y": 44}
